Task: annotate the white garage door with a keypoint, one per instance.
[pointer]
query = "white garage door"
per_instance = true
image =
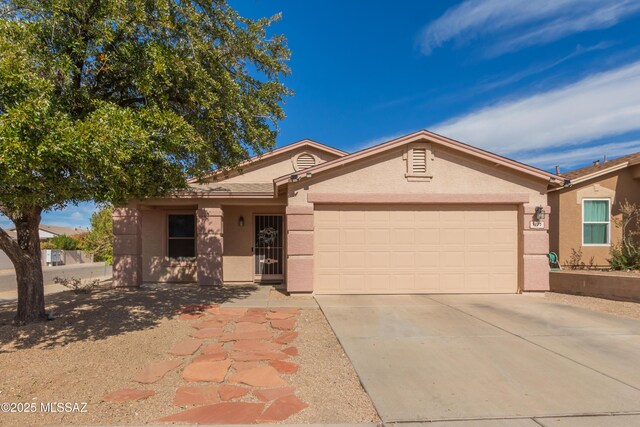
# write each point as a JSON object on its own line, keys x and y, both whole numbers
{"x": 382, "y": 249}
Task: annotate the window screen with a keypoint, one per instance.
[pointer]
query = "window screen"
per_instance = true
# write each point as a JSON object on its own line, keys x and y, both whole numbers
{"x": 181, "y": 236}
{"x": 595, "y": 222}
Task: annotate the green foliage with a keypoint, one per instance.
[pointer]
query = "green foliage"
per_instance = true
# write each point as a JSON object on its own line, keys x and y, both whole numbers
{"x": 47, "y": 245}
{"x": 99, "y": 240}
{"x": 64, "y": 242}
{"x": 118, "y": 99}
{"x": 626, "y": 254}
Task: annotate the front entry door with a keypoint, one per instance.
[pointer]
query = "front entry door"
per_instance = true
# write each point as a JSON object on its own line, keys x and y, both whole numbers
{"x": 268, "y": 259}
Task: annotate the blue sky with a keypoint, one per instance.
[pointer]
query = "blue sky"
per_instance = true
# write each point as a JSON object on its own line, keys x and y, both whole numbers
{"x": 545, "y": 82}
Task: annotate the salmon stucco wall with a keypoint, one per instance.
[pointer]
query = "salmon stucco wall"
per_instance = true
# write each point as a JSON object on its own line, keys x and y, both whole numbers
{"x": 268, "y": 169}
{"x": 238, "y": 262}
{"x": 453, "y": 174}
{"x": 566, "y": 213}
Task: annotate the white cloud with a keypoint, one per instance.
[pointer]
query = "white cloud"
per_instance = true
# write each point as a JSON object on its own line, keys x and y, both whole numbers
{"x": 601, "y": 105}
{"x": 568, "y": 160}
{"x": 522, "y": 23}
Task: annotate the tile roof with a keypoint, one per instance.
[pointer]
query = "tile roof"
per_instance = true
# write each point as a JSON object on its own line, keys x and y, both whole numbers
{"x": 232, "y": 187}
{"x": 577, "y": 173}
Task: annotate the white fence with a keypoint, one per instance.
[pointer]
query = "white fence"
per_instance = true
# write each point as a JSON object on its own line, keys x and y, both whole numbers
{"x": 67, "y": 258}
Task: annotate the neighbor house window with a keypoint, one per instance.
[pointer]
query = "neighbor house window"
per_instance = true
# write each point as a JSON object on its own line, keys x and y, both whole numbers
{"x": 596, "y": 221}
{"x": 181, "y": 236}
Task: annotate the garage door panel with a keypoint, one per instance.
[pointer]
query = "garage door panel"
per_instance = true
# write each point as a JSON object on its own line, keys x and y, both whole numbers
{"x": 410, "y": 249}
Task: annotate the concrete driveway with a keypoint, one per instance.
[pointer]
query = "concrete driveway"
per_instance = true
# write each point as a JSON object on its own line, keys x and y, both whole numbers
{"x": 504, "y": 359}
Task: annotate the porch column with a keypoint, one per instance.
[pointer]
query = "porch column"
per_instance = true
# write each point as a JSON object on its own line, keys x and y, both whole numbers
{"x": 209, "y": 246}
{"x": 299, "y": 248}
{"x": 535, "y": 242}
{"x": 127, "y": 248}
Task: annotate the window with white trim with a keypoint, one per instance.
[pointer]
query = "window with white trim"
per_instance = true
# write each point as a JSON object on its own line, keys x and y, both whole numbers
{"x": 596, "y": 222}
{"x": 181, "y": 236}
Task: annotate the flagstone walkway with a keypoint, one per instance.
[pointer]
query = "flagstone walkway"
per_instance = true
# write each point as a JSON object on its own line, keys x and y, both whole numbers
{"x": 234, "y": 366}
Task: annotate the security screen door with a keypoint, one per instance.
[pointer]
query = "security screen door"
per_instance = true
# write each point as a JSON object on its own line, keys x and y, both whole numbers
{"x": 268, "y": 247}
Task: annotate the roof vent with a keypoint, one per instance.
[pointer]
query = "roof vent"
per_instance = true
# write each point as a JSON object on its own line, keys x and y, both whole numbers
{"x": 305, "y": 161}
{"x": 596, "y": 163}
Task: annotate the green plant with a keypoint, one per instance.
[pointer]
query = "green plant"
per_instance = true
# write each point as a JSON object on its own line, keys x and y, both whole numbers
{"x": 64, "y": 242}
{"x": 99, "y": 239}
{"x": 575, "y": 260}
{"x": 625, "y": 255}
{"x": 114, "y": 100}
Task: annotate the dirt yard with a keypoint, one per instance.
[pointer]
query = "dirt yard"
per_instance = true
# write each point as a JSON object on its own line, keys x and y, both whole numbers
{"x": 99, "y": 342}
{"x": 620, "y": 308}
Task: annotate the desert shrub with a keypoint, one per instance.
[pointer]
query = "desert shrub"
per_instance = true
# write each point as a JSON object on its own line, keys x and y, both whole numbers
{"x": 78, "y": 286}
{"x": 625, "y": 255}
{"x": 65, "y": 242}
{"x": 575, "y": 260}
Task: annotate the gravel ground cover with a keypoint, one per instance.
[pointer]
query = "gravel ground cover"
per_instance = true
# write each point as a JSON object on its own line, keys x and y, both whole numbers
{"x": 98, "y": 343}
{"x": 620, "y": 308}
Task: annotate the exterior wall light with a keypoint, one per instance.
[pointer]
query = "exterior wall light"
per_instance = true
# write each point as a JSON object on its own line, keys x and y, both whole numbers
{"x": 241, "y": 221}
{"x": 539, "y": 215}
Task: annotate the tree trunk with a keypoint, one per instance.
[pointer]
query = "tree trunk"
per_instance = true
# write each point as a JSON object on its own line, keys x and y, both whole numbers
{"x": 27, "y": 261}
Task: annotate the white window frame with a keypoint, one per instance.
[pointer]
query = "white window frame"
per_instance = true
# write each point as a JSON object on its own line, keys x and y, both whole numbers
{"x": 582, "y": 222}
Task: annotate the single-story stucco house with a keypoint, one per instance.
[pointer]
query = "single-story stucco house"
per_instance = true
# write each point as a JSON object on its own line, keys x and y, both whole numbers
{"x": 418, "y": 214}
{"x": 583, "y": 214}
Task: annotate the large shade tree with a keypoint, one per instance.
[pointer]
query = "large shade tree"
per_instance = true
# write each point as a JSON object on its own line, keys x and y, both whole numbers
{"x": 108, "y": 100}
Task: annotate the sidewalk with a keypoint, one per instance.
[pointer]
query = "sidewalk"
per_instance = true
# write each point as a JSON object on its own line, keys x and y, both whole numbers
{"x": 81, "y": 271}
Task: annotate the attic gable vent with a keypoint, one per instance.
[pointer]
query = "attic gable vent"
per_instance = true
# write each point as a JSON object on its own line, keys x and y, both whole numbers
{"x": 419, "y": 163}
{"x": 419, "y": 159}
{"x": 305, "y": 161}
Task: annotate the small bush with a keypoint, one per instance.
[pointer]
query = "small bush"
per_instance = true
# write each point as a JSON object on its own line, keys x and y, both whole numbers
{"x": 78, "y": 286}
{"x": 64, "y": 242}
{"x": 575, "y": 260}
{"x": 625, "y": 255}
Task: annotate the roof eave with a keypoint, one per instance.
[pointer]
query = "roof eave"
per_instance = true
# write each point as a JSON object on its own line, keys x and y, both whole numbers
{"x": 486, "y": 155}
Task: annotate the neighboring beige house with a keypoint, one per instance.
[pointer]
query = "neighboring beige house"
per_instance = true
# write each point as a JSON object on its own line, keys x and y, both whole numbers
{"x": 418, "y": 214}
{"x": 47, "y": 232}
{"x": 582, "y": 213}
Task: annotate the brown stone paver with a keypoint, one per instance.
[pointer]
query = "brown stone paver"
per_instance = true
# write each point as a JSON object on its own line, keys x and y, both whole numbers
{"x": 207, "y": 333}
{"x": 253, "y": 319}
{"x": 249, "y": 358}
{"x": 228, "y": 392}
{"x": 208, "y": 324}
{"x": 246, "y": 356}
{"x": 281, "y": 409}
{"x": 291, "y": 351}
{"x": 286, "y": 337}
{"x": 213, "y": 348}
{"x": 219, "y": 413}
{"x": 267, "y": 395}
{"x": 127, "y": 395}
{"x": 219, "y": 355}
{"x": 256, "y": 335}
{"x": 262, "y": 376}
{"x": 242, "y": 327}
{"x": 285, "y": 324}
{"x": 155, "y": 371}
{"x": 233, "y": 311}
{"x": 196, "y": 395}
{"x": 254, "y": 345}
{"x": 284, "y": 367}
{"x": 207, "y": 370}
{"x": 243, "y": 366}
{"x": 186, "y": 347}
{"x": 278, "y": 315}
